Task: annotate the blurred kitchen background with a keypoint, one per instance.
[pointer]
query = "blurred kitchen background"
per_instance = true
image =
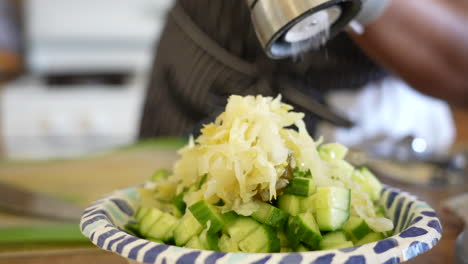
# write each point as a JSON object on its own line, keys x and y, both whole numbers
{"x": 73, "y": 73}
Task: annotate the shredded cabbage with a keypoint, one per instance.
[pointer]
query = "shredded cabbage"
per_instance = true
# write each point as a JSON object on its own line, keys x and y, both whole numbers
{"x": 245, "y": 154}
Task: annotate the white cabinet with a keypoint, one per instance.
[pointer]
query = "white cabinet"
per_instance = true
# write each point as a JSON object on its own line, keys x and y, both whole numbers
{"x": 74, "y": 35}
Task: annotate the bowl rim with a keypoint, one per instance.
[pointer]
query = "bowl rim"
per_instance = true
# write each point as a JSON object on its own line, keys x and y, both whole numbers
{"x": 98, "y": 224}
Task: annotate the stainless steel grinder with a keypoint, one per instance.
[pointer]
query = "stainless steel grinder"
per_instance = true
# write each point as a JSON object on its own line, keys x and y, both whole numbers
{"x": 284, "y": 25}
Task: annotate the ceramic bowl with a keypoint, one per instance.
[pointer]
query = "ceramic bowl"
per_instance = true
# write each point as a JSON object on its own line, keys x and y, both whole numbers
{"x": 417, "y": 229}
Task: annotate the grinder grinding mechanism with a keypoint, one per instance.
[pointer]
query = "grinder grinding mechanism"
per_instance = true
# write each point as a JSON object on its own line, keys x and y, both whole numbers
{"x": 284, "y": 25}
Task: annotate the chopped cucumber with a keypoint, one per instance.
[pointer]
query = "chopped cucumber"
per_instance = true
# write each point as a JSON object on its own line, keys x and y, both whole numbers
{"x": 141, "y": 212}
{"x": 205, "y": 212}
{"x": 302, "y": 248}
{"x": 163, "y": 228}
{"x": 332, "y": 197}
{"x": 368, "y": 182}
{"x": 369, "y": 238}
{"x": 346, "y": 244}
{"x": 380, "y": 211}
{"x": 155, "y": 240}
{"x": 356, "y": 228}
{"x": 290, "y": 230}
{"x": 263, "y": 239}
{"x": 195, "y": 243}
{"x": 187, "y": 228}
{"x": 285, "y": 250}
{"x": 209, "y": 240}
{"x": 148, "y": 220}
{"x": 241, "y": 227}
{"x": 332, "y": 239}
{"x": 270, "y": 215}
{"x": 159, "y": 175}
{"x": 331, "y": 219}
{"x": 301, "y": 187}
{"x": 226, "y": 244}
{"x": 304, "y": 228}
{"x": 332, "y": 207}
{"x": 133, "y": 228}
{"x": 307, "y": 204}
{"x": 179, "y": 204}
{"x": 290, "y": 204}
{"x": 298, "y": 173}
{"x": 284, "y": 242}
{"x": 332, "y": 151}
{"x": 202, "y": 181}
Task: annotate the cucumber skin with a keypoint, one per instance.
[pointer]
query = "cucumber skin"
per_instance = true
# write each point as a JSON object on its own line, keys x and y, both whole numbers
{"x": 303, "y": 228}
{"x": 270, "y": 215}
{"x": 290, "y": 204}
{"x": 209, "y": 240}
{"x": 179, "y": 203}
{"x": 300, "y": 186}
{"x": 290, "y": 230}
{"x": 205, "y": 212}
{"x": 133, "y": 229}
{"x": 356, "y": 228}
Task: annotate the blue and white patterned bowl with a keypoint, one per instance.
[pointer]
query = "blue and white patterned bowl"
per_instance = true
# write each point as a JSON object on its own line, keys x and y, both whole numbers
{"x": 417, "y": 229}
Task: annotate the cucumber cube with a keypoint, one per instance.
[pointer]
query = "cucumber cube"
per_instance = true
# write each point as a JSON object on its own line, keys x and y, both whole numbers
{"x": 187, "y": 228}
{"x": 307, "y": 204}
{"x": 369, "y": 238}
{"x": 290, "y": 204}
{"x": 241, "y": 227}
{"x": 369, "y": 183}
{"x": 149, "y": 219}
{"x": 209, "y": 240}
{"x": 204, "y": 213}
{"x": 284, "y": 242}
{"x": 301, "y": 248}
{"x": 331, "y": 219}
{"x": 333, "y": 239}
{"x": 226, "y": 244}
{"x": 270, "y": 215}
{"x": 332, "y": 197}
{"x": 163, "y": 228}
{"x": 301, "y": 187}
{"x": 305, "y": 229}
{"x": 356, "y": 228}
{"x": 346, "y": 244}
{"x": 332, "y": 151}
{"x": 195, "y": 243}
{"x": 141, "y": 212}
{"x": 179, "y": 204}
{"x": 263, "y": 239}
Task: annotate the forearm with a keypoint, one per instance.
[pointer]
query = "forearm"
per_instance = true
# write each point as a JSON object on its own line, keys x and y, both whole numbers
{"x": 425, "y": 43}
